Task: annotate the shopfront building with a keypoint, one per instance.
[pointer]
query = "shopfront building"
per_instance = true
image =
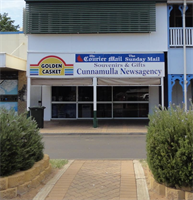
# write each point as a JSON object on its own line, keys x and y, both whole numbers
{"x": 102, "y": 68}
{"x": 106, "y": 86}
{"x": 13, "y": 61}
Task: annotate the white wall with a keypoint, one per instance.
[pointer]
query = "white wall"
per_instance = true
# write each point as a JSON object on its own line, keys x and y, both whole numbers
{"x": 46, "y": 101}
{"x": 153, "y": 98}
{"x": 35, "y": 94}
{"x": 42, "y": 93}
{"x": 105, "y": 43}
{"x": 10, "y": 42}
{"x": 2, "y": 59}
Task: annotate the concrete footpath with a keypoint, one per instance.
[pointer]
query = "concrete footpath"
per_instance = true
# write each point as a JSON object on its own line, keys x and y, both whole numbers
{"x": 97, "y": 180}
{"x": 113, "y": 126}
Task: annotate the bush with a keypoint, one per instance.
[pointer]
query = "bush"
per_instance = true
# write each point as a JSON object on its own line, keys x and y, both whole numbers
{"x": 170, "y": 146}
{"x": 21, "y": 144}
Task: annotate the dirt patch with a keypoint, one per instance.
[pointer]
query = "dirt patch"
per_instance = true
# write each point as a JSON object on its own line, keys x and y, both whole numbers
{"x": 152, "y": 194}
{"x": 32, "y": 192}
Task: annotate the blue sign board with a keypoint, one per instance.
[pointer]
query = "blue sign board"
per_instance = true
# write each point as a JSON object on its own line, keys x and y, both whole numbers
{"x": 90, "y": 58}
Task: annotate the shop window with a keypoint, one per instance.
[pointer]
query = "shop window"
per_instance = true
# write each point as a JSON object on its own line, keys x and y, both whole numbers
{"x": 112, "y": 102}
{"x": 9, "y": 91}
{"x": 6, "y": 75}
{"x": 8, "y": 98}
{"x": 130, "y": 110}
{"x": 85, "y": 93}
{"x": 85, "y": 110}
{"x": 130, "y": 94}
{"x": 104, "y": 94}
{"x": 63, "y": 93}
{"x": 9, "y": 105}
{"x": 63, "y": 110}
{"x": 8, "y": 87}
{"x": 104, "y": 110}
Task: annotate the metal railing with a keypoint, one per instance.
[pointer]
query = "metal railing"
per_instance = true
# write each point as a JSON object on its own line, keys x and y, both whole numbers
{"x": 176, "y": 37}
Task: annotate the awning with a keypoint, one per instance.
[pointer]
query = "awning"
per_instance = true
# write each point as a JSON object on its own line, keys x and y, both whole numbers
{"x": 101, "y": 81}
{"x": 12, "y": 62}
{"x": 129, "y": 81}
{"x": 61, "y": 82}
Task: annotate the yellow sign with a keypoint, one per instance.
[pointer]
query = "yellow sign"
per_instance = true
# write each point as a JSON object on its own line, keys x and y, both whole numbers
{"x": 51, "y": 66}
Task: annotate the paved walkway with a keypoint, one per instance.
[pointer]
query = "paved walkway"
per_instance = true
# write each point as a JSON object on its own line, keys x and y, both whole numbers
{"x": 113, "y": 126}
{"x": 95, "y": 180}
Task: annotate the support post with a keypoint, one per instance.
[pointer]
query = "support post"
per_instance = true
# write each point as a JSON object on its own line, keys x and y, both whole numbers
{"x": 183, "y": 10}
{"x": 162, "y": 89}
{"x": 95, "y": 121}
{"x": 28, "y": 92}
{"x": 184, "y": 45}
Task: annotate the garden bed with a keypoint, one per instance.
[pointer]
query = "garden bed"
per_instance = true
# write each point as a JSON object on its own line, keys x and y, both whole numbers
{"x": 167, "y": 192}
{"x": 21, "y": 182}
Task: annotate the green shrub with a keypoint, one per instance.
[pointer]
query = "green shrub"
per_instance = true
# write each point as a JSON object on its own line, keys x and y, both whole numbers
{"x": 21, "y": 144}
{"x": 170, "y": 146}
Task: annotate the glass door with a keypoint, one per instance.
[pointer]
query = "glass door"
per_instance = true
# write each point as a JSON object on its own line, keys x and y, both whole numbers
{"x": 85, "y": 102}
{"x": 130, "y": 102}
{"x": 63, "y": 102}
{"x": 104, "y": 102}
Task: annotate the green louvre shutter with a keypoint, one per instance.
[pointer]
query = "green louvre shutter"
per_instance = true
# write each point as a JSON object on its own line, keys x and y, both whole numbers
{"x": 89, "y": 17}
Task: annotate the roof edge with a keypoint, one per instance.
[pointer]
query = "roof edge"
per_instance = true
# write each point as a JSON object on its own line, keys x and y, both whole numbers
{"x": 157, "y": 1}
{"x": 12, "y": 32}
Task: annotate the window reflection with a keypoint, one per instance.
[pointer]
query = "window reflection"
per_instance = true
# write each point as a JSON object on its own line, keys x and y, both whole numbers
{"x": 130, "y": 94}
{"x": 130, "y": 110}
{"x": 65, "y": 104}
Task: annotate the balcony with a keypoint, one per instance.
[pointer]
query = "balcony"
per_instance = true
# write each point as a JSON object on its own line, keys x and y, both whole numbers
{"x": 176, "y": 37}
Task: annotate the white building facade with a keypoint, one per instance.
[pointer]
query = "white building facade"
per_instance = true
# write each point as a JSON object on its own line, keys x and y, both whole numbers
{"x": 98, "y": 72}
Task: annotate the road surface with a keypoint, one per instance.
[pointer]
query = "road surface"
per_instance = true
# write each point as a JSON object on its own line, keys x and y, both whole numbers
{"x": 95, "y": 146}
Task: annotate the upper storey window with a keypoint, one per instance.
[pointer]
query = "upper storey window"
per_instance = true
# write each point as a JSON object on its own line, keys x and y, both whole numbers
{"x": 176, "y": 16}
{"x": 72, "y": 17}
